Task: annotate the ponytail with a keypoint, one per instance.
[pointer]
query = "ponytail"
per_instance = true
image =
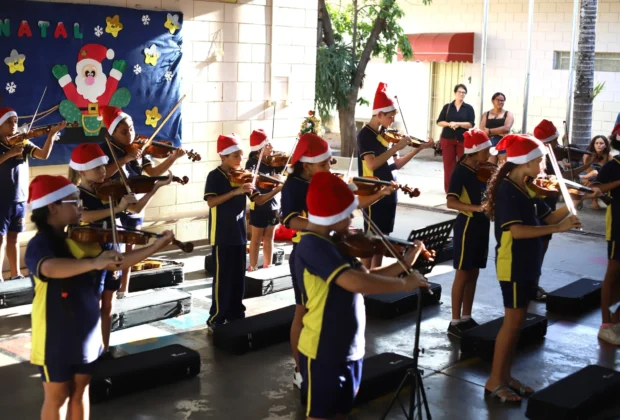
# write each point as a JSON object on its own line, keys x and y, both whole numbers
{"x": 74, "y": 177}
{"x": 298, "y": 168}
{"x": 488, "y": 204}
{"x": 39, "y": 218}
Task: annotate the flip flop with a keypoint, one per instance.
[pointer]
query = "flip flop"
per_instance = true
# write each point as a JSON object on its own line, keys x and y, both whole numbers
{"x": 502, "y": 389}
{"x": 519, "y": 388}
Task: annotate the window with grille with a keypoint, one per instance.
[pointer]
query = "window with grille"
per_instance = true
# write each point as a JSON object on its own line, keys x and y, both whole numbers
{"x": 602, "y": 61}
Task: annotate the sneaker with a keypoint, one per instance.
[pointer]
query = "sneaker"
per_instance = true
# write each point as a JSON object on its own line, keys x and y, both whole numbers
{"x": 468, "y": 324}
{"x": 541, "y": 295}
{"x": 297, "y": 379}
{"x": 210, "y": 329}
{"x": 120, "y": 295}
{"x": 611, "y": 335}
{"x": 106, "y": 355}
{"x": 457, "y": 329}
{"x": 18, "y": 277}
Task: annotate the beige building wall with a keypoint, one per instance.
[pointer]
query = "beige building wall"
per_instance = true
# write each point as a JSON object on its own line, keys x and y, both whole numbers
{"x": 269, "y": 54}
{"x": 506, "y": 59}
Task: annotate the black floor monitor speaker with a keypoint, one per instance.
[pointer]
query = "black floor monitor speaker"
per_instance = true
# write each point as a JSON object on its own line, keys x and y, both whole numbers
{"x": 394, "y": 304}
{"x": 576, "y": 297}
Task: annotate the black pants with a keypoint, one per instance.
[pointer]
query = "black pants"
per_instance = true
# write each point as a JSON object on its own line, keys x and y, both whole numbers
{"x": 228, "y": 262}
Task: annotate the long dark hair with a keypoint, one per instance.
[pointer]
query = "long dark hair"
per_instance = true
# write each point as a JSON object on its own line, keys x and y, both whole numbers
{"x": 39, "y": 218}
{"x": 488, "y": 203}
{"x": 298, "y": 168}
{"x": 607, "y": 150}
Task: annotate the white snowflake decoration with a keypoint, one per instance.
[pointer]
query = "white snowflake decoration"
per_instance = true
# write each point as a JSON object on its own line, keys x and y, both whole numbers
{"x": 168, "y": 76}
{"x": 98, "y": 31}
{"x": 11, "y": 87}
{"x": 137, "y": 69}
{"x": 146, "y": 19}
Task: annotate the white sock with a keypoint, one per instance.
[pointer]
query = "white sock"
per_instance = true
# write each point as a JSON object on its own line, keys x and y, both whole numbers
{"x": 456, "y": 321}
{"x": 466, "y": 318}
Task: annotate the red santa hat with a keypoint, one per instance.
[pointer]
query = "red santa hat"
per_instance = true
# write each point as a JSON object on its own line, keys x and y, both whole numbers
{"x": 227, "y": 144}
{"x": 546, "y": 131}
{"x": 520, "y": 148}
{"x": 476, "y": 140}
{"x": 48, "y": 189}
{"x": 93, "y": 54}
{"x": 310, "y": 149}
{"x": 615, "y": 134}
{"x": 87, "y": 156}
{"x": 382, "y": 102}
{"x": 6, "y": 113}
{"x": 112, "y": 116}
{"x": 258, "y": 140}
{"x": 329, "y": 199}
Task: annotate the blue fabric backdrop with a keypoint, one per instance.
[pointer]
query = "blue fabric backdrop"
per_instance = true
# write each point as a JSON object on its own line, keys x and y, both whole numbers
{"x": 37, "y": 39}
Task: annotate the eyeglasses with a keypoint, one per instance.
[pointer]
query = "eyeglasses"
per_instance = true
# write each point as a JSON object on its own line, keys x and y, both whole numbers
{"x": 501, "y": 100}
{"x": 77, "y": 202}
{"x": 462, "y": 92}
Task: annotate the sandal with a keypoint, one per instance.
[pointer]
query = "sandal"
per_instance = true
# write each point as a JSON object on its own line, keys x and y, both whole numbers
{"x": 519, "y": 388}
{"x": 505, "y": 392}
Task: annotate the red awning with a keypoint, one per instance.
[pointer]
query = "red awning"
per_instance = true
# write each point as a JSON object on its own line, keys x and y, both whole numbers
{"x": 455, "y": 47}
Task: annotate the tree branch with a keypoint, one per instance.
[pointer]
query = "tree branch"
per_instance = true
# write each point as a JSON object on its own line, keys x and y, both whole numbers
{"x": 377, "y": 28}
{"x": 328, "y": 30}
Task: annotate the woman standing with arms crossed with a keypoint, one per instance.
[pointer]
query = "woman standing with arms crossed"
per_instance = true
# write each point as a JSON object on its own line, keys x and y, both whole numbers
{"x": 496, "y": 123}
{"x": 456, "y": 118}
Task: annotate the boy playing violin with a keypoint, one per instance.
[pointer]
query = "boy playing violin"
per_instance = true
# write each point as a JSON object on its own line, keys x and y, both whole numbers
{"x": 377, "y": 158}
{"x": 14, "y": 183}
{"x": 133, "y": 162}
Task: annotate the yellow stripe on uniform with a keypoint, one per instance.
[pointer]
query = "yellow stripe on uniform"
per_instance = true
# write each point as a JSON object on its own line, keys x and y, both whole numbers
{"x": 46, "y": 373}
{"x": 613, "y": 250}
{"x": 366, "y": 171}
{"x": 309, "y": 401}
{"x": 217, "y": 282}
{"x": 514, "y": 295}
{"x": 463, "y": 243}
{"x": 213, "y": 225}
{"x": 39, "y": 322}
{"x": 504, "y": 257}
{"x": 608, "y": 220}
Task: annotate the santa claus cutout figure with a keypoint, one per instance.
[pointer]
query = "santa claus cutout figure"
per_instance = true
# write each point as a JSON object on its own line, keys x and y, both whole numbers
{"x": 92, "y": 88}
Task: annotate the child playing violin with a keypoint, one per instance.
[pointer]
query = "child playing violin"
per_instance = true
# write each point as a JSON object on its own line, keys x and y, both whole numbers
{"x": 65, "y": 310}
{"x": 86, "y": 169}
{"x": 377, "y": 158}
{"x": 133, "y": 162}
{"x": 263, "y": 207}
{"x": 311, "y": 155}
{"x": 471, "y": 229}
{"x": 332, "y": 345}
{"x": 13, "y": 185}
{"x": 227, "y": 234}
{"x": 518, "y": 215}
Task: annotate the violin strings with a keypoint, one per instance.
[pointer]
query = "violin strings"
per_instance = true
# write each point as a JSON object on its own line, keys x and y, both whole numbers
{"x": 386, "y": 243}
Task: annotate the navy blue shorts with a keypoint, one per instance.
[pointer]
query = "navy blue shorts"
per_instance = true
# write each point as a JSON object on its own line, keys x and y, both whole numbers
{"x": 12, "y": 217}
{"x": 296, "y": 287}
{"x": 330, "y": 387}
{"x": 471, "y": 242}
{"x": 263, "y": 219}
{"x": 518, "y": 294}
{"x": 613, "y": 251}
{"x": 63, "y": 372}
{"x": 383, "y": 214}
{"x": 129, "y": 222}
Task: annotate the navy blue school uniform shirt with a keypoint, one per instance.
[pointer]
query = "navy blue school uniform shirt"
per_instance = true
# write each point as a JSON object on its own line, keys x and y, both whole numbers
{"x": 271, "y": 204}
{"x": 518, "y": 259}
{"x": 14, "y": 174}
{"x": 226, "y": 221}
{"x": 133, "y": 168}
{"x": 293, "y": 200}
{"x": 333, "y": 327}
{"x": 64, "y": 330}
{"x": 465, "y": 186}
{"x": 610, "y": 172}
{"x": 91, "y": 202}
{"x": 370, "y": 142}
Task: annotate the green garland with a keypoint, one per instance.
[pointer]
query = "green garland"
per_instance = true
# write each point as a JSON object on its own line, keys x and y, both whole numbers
{"x": 311, "y": 124}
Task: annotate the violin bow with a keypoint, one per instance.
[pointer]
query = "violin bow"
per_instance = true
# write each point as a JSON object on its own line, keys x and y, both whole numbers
{"x": 113, "y": 222}
{"x": 350, "y": 166}
{"x": 255, "y": 174}
{"x": 389, "y": 246}
{"x": 401, "y": 115}
{"x": 290, "y": 155}
{"x": 37, "y": 110}
{"x": 108, "y": 139}
{"x": 150, "y": 139}
{"x": 556, "y": 168}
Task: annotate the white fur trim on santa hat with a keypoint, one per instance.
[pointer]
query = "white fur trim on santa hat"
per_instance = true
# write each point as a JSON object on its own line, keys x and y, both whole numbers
{"x": 551, "y": 138}
{"x": 230, "y": 149}
{"x": 384, "y": 110}
{"x": 479, "y": 147}
{"x": 260, "y": 146}
{"x": 330, "y": 220}
{"x": 7, "y": 116}
{"x": 53, "y": 197}
{"x": 317, "y": 159}
{"x": 533, "y": 154}
{"x": 116, "y": 122}
{"x": 109, "y": 54}
{"x": 101, "y": 160}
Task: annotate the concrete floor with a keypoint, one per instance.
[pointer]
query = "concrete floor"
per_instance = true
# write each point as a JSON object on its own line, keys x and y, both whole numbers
{"x": 258, "y": 385}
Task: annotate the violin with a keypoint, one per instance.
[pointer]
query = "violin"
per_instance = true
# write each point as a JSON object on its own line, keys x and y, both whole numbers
{"x": 90, "y": 234}
{"x": 570, "y": 152}
{"x": 138, "y": 184}
{"x": 265, "y": 182}
{"x": 394, "y": 136}
{"x": 33, "y": 133}
{"x": 544, "y": 187}
{"x": 369, "y": 185}
{"x": 360, "y": 245}
{"x": 160, "y": 149}
{"x": 276, "y": 159}
{"x": 485, "y": 171}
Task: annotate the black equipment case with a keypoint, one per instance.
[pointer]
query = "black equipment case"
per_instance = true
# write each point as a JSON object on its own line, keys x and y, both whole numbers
{"x": 149, "y": 307}
{"x": 169, "y": 274}
{"x": 575, "y": 297}
{"x": 278, "y": 259}
{"x": 16, "y": 292}
{"x": 394, "y": 304}
{"x": 268, "y": 280}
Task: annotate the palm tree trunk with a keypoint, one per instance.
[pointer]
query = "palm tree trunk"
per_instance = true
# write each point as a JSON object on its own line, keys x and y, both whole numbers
{"x": 584, "y": 74}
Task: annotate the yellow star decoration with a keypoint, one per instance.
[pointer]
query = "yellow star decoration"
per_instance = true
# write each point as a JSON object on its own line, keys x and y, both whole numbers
{"x": 151, "y": 55}
{"x": 113, "y": 25}
{"x": 15, "y": 61}
{"x": 172, "y": 23}
{"x": 152, "y": 117}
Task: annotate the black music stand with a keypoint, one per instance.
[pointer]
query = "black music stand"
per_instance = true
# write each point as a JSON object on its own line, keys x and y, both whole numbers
{"x": 434, "y": 238}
